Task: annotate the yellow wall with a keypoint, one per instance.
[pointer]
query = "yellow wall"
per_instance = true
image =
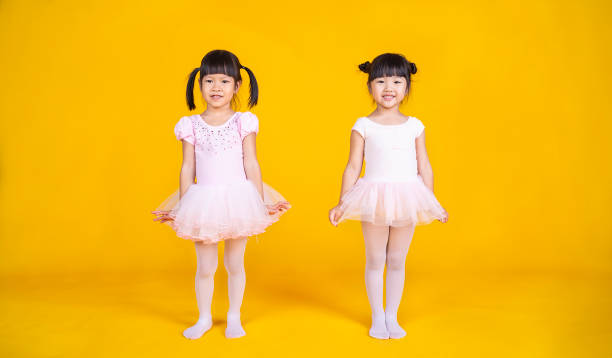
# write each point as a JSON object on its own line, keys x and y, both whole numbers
{"x": 514, "y": 95}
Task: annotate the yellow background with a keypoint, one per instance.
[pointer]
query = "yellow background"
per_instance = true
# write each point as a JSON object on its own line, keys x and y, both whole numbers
{"x": 515, "y": 99}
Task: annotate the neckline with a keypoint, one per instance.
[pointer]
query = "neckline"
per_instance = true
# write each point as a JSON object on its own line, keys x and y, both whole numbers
{"x": 220, "y": 125}
{"x": 388, "y": 125}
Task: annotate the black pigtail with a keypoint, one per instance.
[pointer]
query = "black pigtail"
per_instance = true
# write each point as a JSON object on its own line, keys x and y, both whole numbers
{"x": 190, "y": 84}
{"x": 254, "y": 89}
{"x": 365, "y": 67}
{"x": 412, "y": 67}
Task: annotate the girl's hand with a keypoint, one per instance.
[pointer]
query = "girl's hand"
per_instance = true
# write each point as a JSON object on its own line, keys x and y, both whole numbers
{"x": 162, "y": 216}
{"x": 278, "y": 207}
{"x": 335, "y": 214}
{"x": 444, "y": 217}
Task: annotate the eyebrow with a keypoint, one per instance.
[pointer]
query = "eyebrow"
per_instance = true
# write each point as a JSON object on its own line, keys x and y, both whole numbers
{"x": 223, "y": 78}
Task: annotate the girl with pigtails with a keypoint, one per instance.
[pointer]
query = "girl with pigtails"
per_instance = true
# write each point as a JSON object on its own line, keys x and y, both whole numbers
{"x": 229, "y": 202}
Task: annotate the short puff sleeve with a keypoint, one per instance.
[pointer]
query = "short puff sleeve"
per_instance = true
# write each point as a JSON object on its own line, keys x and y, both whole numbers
{"x": 184, "y": 130}
{"x": 360, "y": 126}
{"x": 419, "y": 127}
{"x": 248, "y": 124}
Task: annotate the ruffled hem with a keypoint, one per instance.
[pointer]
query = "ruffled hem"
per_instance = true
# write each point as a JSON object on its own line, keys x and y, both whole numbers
{"x": 213, "y": 232}
{"x": 213, "y": 213}
{"x": 391, "y": 203}
{"x": 217, "y": 237}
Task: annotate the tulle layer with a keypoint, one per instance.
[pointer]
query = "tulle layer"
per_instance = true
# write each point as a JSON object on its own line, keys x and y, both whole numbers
{"x": 212, "y": 213}
{"x": 391, "y": 203}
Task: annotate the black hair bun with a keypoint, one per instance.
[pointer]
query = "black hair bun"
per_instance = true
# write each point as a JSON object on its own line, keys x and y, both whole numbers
{"x": 412, "y": 67}
{"x": 365, "y": 67}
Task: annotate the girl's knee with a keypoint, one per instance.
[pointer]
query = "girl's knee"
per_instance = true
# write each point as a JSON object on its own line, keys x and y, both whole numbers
{"x": 234, "y": 268}
{"x": 234, "y": 264}
{"x": 233, "y": 258}
{"x": 206, "y": 269}
{"x": 396, "y": 261}
{"x": 375, "y": 261}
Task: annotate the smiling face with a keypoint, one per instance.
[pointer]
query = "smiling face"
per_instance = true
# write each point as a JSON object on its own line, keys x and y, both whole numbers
{"x": 218, "y": 89}
{"x": 388, "y": 92}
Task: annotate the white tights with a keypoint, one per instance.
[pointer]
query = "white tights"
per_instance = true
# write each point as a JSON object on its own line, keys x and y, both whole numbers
{"x": 384, "y": 244}
{"x": 233, "y": 258}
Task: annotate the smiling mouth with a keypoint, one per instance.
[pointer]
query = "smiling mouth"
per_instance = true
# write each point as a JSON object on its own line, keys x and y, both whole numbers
{"x": 388, "y": 97}
{"x": 216, "y": 96}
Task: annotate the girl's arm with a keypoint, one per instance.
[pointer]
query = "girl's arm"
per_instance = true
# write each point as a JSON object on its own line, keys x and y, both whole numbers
{"x": 423, "y": 165}
{"x": 424, "y": 168}
{"x": 354, "y": 165}
{"x": 187, "y": 176}
{"x": 351, "y": 174}
{"x": 251, "y": 165}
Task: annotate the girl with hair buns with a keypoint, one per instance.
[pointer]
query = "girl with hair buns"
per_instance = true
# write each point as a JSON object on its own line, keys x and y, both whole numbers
{"x": 229, "y": 202}
{"x": 396, "y": 191}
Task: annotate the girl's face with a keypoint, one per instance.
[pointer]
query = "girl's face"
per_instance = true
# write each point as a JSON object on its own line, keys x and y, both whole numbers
{"x": 388, "y": 92}
{"x": 218, "y": 89}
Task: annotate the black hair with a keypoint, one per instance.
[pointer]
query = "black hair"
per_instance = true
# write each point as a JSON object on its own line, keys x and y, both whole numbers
{"x": 225, "y": 62}
{"x": 389, "y": 64}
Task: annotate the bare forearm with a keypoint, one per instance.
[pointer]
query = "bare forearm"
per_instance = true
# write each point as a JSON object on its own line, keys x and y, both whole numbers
{"x": 427, "y": 174}
{"x": 253, "y": 173}
{"x": 349, "y": 178}
{"x": 187, "y": 177}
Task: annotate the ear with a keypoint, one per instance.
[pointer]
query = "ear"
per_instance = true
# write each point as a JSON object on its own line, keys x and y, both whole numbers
{"x": 238, "y": 84}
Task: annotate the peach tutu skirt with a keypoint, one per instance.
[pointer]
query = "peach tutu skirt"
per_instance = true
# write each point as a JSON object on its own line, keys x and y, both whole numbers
{"x": 212, "y": 213}
{"x": 391, "y": 203}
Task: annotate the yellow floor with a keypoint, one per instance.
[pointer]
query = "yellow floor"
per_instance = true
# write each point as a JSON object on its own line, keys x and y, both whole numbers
{"x": 133, "y": 315}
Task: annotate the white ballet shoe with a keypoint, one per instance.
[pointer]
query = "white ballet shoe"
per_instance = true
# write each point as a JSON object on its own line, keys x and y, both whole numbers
{"x": 379, "y": 329}
{"x": 234, "y": 327}
{"x": 379, "y": 334}
{"x": 197, "y": 330}
{"x": 395, "y": 330}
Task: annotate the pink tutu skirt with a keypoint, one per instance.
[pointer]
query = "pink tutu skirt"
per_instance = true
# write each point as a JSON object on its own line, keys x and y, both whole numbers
{"x": 212, "y": 213}
{"x": 391, "y": 203}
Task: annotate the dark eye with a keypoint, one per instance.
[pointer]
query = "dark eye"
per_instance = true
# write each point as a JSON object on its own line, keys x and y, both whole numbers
{"x": 398, "y": 82}
{"x": 225, "y": 81}
{"x": 209, "y": 81}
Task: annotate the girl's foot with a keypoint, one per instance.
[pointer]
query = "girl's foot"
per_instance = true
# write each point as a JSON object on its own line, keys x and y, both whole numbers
{"x": 234, "y": 326}
{"x": 379, "y": 328}
{"x": 197, "y": 330}
{"x": 395, "y": 330}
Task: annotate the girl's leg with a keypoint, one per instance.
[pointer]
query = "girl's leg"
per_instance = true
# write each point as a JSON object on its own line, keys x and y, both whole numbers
{"x": 376, "y": 238}
{"x": 397, "y": 249}
{"x": 204, "y": 285}
{"x": 236, "y": 279}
